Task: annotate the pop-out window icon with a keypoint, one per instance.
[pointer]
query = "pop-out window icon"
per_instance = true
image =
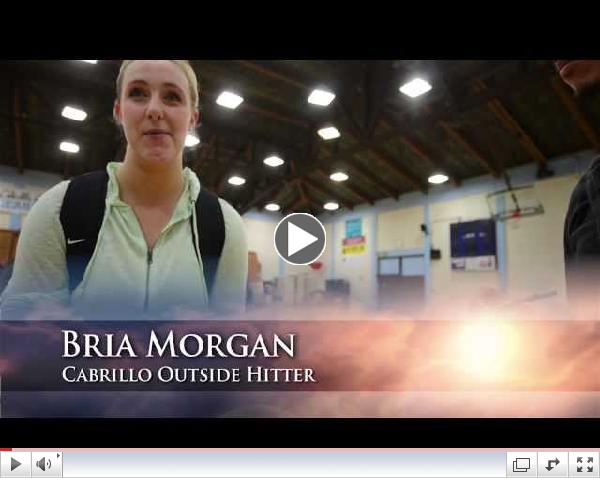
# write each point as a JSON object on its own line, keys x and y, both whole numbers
{"x": 521, "y": 465}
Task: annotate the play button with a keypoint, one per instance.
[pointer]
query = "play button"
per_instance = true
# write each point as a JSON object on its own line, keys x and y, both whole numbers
{"x": 299, "y": 239}
{"x": 15, "y": 464}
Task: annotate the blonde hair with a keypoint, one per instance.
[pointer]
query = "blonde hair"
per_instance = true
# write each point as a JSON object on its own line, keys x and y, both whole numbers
{"x": 185, "y": 66}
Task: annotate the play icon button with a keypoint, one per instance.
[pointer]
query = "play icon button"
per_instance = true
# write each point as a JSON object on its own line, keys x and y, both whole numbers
{"x": 299, "y": 239}
{"x": 14, "y": 464}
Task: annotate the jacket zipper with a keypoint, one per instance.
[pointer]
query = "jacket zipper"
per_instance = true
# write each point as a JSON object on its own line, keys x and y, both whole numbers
{"x": 149, "y": 263}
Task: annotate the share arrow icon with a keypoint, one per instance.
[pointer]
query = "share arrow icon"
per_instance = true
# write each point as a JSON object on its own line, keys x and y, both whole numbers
{"x": 550, "y": 466}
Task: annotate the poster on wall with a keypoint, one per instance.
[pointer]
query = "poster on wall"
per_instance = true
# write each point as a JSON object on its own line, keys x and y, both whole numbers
{"x": 354, "y": 243}
{"x": 13, "y": 203}
{"x": 473, "y": 245}
{"x": 354, "y": 227}
{"x": 354, "y": 246}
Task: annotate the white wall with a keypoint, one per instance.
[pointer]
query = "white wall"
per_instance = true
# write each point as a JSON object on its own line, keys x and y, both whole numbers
{"x": 400, "y": 229}
{"x": 534, "y": 245}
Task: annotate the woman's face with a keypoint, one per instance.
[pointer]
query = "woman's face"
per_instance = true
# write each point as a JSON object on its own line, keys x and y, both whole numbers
{"x": 155, "y": 110}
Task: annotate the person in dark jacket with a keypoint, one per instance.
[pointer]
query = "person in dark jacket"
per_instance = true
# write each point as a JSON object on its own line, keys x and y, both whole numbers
{"x": 582, "y": 223}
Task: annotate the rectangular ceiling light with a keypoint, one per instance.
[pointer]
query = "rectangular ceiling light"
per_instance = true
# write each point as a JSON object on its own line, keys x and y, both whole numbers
{"x": 229, "y": 100}
{"x": 330, "y": 132}
{"x": 416, "y": 87}
{"x": 73, "y": 113}
{"x": 68, "y": 147}
{"x": 321, "y": 97}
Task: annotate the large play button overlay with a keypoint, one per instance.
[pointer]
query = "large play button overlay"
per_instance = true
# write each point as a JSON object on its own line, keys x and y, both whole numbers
{"x": 299, "y": 239}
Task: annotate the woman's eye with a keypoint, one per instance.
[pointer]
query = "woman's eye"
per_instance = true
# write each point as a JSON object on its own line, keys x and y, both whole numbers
{"x": 136, "y": 92}
{"x": 173, "y": 97}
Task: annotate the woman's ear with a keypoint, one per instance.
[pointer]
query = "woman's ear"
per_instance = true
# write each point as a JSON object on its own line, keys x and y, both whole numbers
{"x": 117, "y": 112}
{"x": 194, "y": 120}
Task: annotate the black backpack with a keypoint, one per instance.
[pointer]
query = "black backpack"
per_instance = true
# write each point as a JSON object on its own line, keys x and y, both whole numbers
{"x": 81, "y": 217}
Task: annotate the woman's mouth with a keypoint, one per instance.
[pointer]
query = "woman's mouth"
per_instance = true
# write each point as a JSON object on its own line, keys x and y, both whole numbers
{"x": 156, "y": 132}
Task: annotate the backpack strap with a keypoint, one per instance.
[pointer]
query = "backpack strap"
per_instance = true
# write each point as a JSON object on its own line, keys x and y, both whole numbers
{"x": 211, "y": 234}
{"x": 81, "y": 217}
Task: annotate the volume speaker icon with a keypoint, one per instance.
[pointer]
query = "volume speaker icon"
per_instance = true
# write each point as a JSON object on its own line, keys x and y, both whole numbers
{"x": 43, "y": 464}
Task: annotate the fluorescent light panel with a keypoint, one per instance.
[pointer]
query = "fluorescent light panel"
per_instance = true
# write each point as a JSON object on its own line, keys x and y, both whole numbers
{"x": 272, "y": 207}
{"x": 273, "y": 161}
{"x": 338, "y": 176}
{"x": 74, "y": 114}
{"x": 236, "y": 180}
{"x": 321, "y": 97}
{"x": 416, "y": 87}
{"x": 437, "y": 178}
{"x": 229, "y": 100}
{"x": 330, "y": 132}
{"x": 69, "y": 147}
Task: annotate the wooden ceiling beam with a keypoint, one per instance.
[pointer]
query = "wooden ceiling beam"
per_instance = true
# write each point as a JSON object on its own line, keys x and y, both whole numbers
{"x": 379, "y": 86}
{"x": 500, "y": 111}
{"x": 274, "y": 115}
{"x": 300, "y": 202}
{"x": 354, "y": 128}
{"x": 275, "y": 197}
{"x": 348, "y": 187}
{"x": 458, "y": 138}
{"x": 314, "y": 207}
{"x": 355, "y": 165}
{"x": 389, "y": 160}
{"x": 265, "y": 196}
{"x": 272, "y": 74}
{"x": 301, "y": 191}
{"x": 327, "y": 193}
{"x": 417, "y": 149}
{"x": 376, "y": 180}
{"x": 203, "y": 152}
{"x": 569, "y": 102}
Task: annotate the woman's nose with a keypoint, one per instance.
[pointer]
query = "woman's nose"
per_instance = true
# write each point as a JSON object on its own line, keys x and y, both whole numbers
{"x": 155, "y": 110}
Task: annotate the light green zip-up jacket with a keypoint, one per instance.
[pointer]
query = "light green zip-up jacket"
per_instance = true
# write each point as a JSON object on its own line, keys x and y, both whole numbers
{"x": 123, "y": 275}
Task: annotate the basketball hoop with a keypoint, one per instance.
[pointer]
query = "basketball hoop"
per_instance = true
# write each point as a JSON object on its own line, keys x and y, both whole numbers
{"x": 515, "y": 217}
{"x": 514, "y": 204}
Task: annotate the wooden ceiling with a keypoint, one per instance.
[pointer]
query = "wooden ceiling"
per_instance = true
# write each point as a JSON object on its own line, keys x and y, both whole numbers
{"x": 481, "y": 117}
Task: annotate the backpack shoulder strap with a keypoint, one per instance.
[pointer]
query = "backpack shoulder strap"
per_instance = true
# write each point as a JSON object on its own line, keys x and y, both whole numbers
{"x": 81, "y": 217}
{"x": 210, "y": 233}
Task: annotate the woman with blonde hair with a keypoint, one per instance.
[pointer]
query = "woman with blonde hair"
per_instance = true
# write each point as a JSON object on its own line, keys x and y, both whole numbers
{"x": 142, "y": 235}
